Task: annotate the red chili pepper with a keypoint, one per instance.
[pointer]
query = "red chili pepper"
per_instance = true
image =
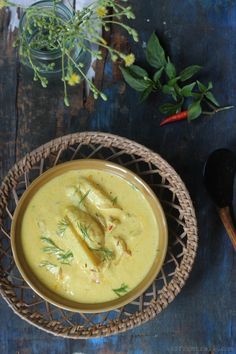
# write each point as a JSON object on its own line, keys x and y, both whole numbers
{"x": 175, "y": 118}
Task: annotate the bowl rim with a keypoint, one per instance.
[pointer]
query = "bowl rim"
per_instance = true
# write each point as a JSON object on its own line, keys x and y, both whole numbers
{"x": 118, "y": 170}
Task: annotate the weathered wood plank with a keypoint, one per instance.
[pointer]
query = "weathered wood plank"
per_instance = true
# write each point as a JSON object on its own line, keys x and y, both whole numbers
{"x": 39, "y": 110}
{"x": 202, "y": 319}
{"x": 8, "y": 94}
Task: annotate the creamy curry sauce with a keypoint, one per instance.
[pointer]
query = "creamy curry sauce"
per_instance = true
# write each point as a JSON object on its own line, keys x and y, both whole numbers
{"x": 90, "y": 236}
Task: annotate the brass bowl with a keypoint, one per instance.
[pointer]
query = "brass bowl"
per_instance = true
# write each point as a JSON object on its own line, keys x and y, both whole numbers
{"x": 40, "y": 288}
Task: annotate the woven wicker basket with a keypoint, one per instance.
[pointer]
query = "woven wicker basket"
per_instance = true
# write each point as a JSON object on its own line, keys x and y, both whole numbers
{"x": 181, "y": 223}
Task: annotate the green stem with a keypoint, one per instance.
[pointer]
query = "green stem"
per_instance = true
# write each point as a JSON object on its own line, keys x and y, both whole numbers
{"x": 119, "y": 24}
{"x": 63, "y": 77}
{"x": 91, "y": 85}
{"x": 220, "y": 109}
{"x": 217, "y": 110}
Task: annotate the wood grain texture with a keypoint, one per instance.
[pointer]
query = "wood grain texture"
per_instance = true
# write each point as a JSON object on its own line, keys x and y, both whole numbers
{"x": 8, "y": 95}
{"x": 202, "y": 319}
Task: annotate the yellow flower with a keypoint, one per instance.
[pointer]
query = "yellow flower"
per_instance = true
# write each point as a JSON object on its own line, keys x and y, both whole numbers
{"x": 101, "y": 11}
{"x": 74, "y": 79}
{"x": 129, "y": 59}
{"x": 3, "y": 4}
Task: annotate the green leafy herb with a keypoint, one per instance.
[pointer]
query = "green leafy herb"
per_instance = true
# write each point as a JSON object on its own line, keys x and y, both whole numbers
{"x": 64, "y": 257}
{"x": 155, "y": 53}
{"x": 104, "y": 253}
{"x": 62, "y": 226}
{"x": 52, "y": 268}
{"x": 169, "y": 108}
{"x": 194, "y": 110}
{"x": 170, "y": 69}
{"x": 187, "y": 90}
{"x": 144, "y": 95}
{"x": 189, "y": 72}
{"x": 136, "y": 81}
{"x": 209, "y": 95}
{"x": 157, "y": 75}
{"x": 84, "y": 231}
{"x": 83, "y": 197}
{"x": 190, "y": 98}
{"x": 138, "y": 71}
{"x": 114, "y": 200}
{"x": 122, "y": 290}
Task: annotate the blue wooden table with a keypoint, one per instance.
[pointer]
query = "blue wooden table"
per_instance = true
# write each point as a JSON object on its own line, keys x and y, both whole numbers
{"x": 202, "y": 319}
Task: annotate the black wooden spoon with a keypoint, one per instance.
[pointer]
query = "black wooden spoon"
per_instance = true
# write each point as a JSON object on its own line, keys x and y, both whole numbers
{"x": 219, "y": 175}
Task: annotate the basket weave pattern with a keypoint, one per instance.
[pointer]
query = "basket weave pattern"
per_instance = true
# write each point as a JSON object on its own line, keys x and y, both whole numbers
{"x": 181, "y": 221}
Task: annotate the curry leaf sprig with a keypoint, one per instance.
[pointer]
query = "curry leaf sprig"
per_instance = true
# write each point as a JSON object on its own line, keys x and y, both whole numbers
{"x": 122, "y": 290}
{"x": 44, "y": 30}
{"x": 188, "y": 98}
{"x": 64, "y": 257}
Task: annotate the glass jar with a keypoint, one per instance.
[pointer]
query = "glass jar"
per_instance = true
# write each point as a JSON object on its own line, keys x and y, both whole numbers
{"x": 49, "y": 62}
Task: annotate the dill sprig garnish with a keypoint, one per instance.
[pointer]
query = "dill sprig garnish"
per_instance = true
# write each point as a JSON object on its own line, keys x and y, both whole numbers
{"x": 114, "y": 200}
{"x": 104, "y": 253}
{"x": 52, "y": 268}
{"x": 64, "y": 257}
{"x": 84, "y": 196}
{"x": 84, "y": 231}
{"x": 62, "y": 226}
{"x": 122, "y": 290}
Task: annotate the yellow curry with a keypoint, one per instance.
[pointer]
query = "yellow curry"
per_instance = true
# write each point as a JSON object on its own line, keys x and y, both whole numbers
{"x": 89, "y": 236}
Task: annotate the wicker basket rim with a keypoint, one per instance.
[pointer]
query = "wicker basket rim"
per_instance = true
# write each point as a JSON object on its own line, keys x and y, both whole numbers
{"x": 169, "y": 292}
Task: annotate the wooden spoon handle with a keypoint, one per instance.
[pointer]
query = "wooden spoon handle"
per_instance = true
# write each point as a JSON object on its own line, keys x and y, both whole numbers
{"x": 226, "y": 219}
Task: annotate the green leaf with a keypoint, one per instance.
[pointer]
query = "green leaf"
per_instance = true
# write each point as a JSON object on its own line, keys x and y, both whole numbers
{"x": 209, "y": 95}
{"x": 157, "y": 75}
{"x": 170, "y": 108}
{"x": 201, "y": 87}
{"x": 173, "y": 82}
{"x": 186, "y": 91}
{"x": 134, "y": 81}
{"x": 170, "y": 69}
{"x": 155, "y": 53}
{"x": 194, "y": 110}
{"x": 188, "y": 72}
{"x": 146, "y": 93}
{"x": 169, "y": 90}
{"x": 210, "y": 86}
{"x": 197, "y": 96}
{"x": 138, "y": 71}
